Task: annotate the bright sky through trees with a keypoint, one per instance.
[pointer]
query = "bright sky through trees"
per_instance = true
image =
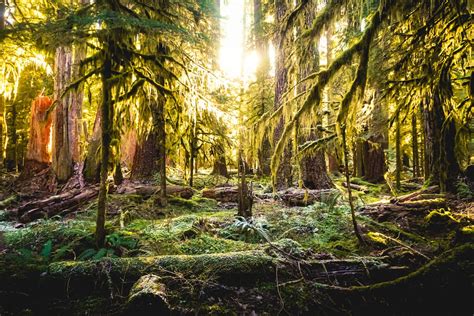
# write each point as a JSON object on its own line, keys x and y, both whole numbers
{"x": 232, "y": 42}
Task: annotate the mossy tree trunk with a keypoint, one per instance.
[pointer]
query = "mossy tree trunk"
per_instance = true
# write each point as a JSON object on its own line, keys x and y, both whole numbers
{"x": 106, "y": 133}
{"x": 11, "y": 162}
{"x": 398, "y": 153}
{"x": 262, "y": 73}
{"x": 414, "y": 140}
{"x": 441, "y": 166}
{"x": 2, "y": 96}
{"x": 91, "y": 169}
{"x": 220, "y": 161}
{"x": 62, "y": 158}
{"x": 312, "y": 166}
{"x": 283, "y": 177}
{"x": 145, "y": 162}
{"x": 67, "y": 115}
{"x": 159, "y": 118}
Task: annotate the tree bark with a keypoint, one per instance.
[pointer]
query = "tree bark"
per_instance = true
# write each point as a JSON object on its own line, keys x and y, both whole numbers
{"x": 160, "y": 126}
{"x": 441, "y": 166}
{"x": 145, "y": 162}
{"x": 262, "y": 73}
{"x": 312, "y": 166}
{"x": 106, "y": 131}
{"x": 220, "y": 162}
{"x": 91, "y": 170}
{"x": 2, "y": 96}
{"x": 414, "y": 140}
{"x": 283, "y": 177}
{"x": 11, "y": 162}
{"x": 38, "y": 155}
{"x": 62, "y": 157}
{"x": 398, "y": 152}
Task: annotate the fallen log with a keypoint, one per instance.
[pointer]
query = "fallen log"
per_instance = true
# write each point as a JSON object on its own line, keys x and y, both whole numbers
{"x": 224, "y": 194}
{"x": 303, "y": 197}
{"x": 357, "y": 187}
{"x": 410, "y": 196}
{"x": 235, "y": 269}
{"x": 148, "y": 296}
{"x": 442, "y": 286}
{"x": 149, "y": 190}
{"x": 62, "y": 204}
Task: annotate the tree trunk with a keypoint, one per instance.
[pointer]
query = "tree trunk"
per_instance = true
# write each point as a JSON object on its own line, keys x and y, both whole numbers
{"x": 358, "y": 158}
{"x": 12, "y": 137}
{"x": 106, "y": 131}
{"x": 91, "y": 170}
{"x": 314, "y": 172}
{"x": 220, "y": 163}
{"x": 449, "y": 166}
{"x": 414, "y": 140}
{"x": 398, "y": 152}
{"x": 2, "y": 96}
{"x": 312, "y": 166}
{"x": 62, "y": 157}
{"x": 262, "y": 73}
{"x": 192, "y": 153}
{"x": 160, "y": 126}
{"x": 145, "y": 162}
{"x": 38, "y": 155}
{"x": 374, "y": 160}
{"x": 283, "y": 177}
{"x": 441, "y": 166}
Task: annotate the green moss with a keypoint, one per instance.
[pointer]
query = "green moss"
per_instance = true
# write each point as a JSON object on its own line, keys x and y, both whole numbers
{"x": 377, "y": 238}
{"x": 177, "y": 201}
{"x": 440, "y": 218}
{"x": 391, "y": 228}
{"x": 210, "y": 244}
{"x": 468, "y": 230}
{"x": 8, "y": 201}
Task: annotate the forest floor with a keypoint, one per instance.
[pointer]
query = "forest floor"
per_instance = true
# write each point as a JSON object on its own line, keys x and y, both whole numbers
{"x": 285, "y": 260}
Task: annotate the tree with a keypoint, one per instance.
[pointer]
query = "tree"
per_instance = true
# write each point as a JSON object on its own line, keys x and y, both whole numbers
{"x": 282, "y": 173}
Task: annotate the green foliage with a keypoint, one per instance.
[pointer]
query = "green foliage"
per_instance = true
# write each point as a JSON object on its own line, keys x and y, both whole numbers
{"x": 464, "y": 190}
{"x": 252, "y": 230}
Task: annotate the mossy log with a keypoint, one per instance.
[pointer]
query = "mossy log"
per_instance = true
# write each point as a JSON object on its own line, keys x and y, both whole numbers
{"x": 357, "y": 187}
{"x": 55, "y": 205}
{"x": 444, "y": 286}
{"x": 149, "y": 190}
{"x": 403, "y": 198}
{"x": 236, "y": 269}
{"x": 303, "y": 197}
{"x": 222, "y": 194}
{"x": 148, "y": 297}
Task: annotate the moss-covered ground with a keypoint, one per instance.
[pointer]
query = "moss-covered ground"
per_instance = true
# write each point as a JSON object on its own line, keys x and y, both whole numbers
{"x": 137, "y": 227}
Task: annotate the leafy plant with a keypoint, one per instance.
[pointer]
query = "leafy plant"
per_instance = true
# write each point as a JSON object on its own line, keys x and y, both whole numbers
{"x": 247, "y": 230}
{"x": 47, "y": 249}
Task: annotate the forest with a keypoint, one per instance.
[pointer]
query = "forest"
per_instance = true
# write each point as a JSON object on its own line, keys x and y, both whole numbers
{"x": 236, "y": 157}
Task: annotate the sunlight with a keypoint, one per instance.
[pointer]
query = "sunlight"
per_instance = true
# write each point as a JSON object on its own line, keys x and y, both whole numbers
{"x": 232, "y": 40}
